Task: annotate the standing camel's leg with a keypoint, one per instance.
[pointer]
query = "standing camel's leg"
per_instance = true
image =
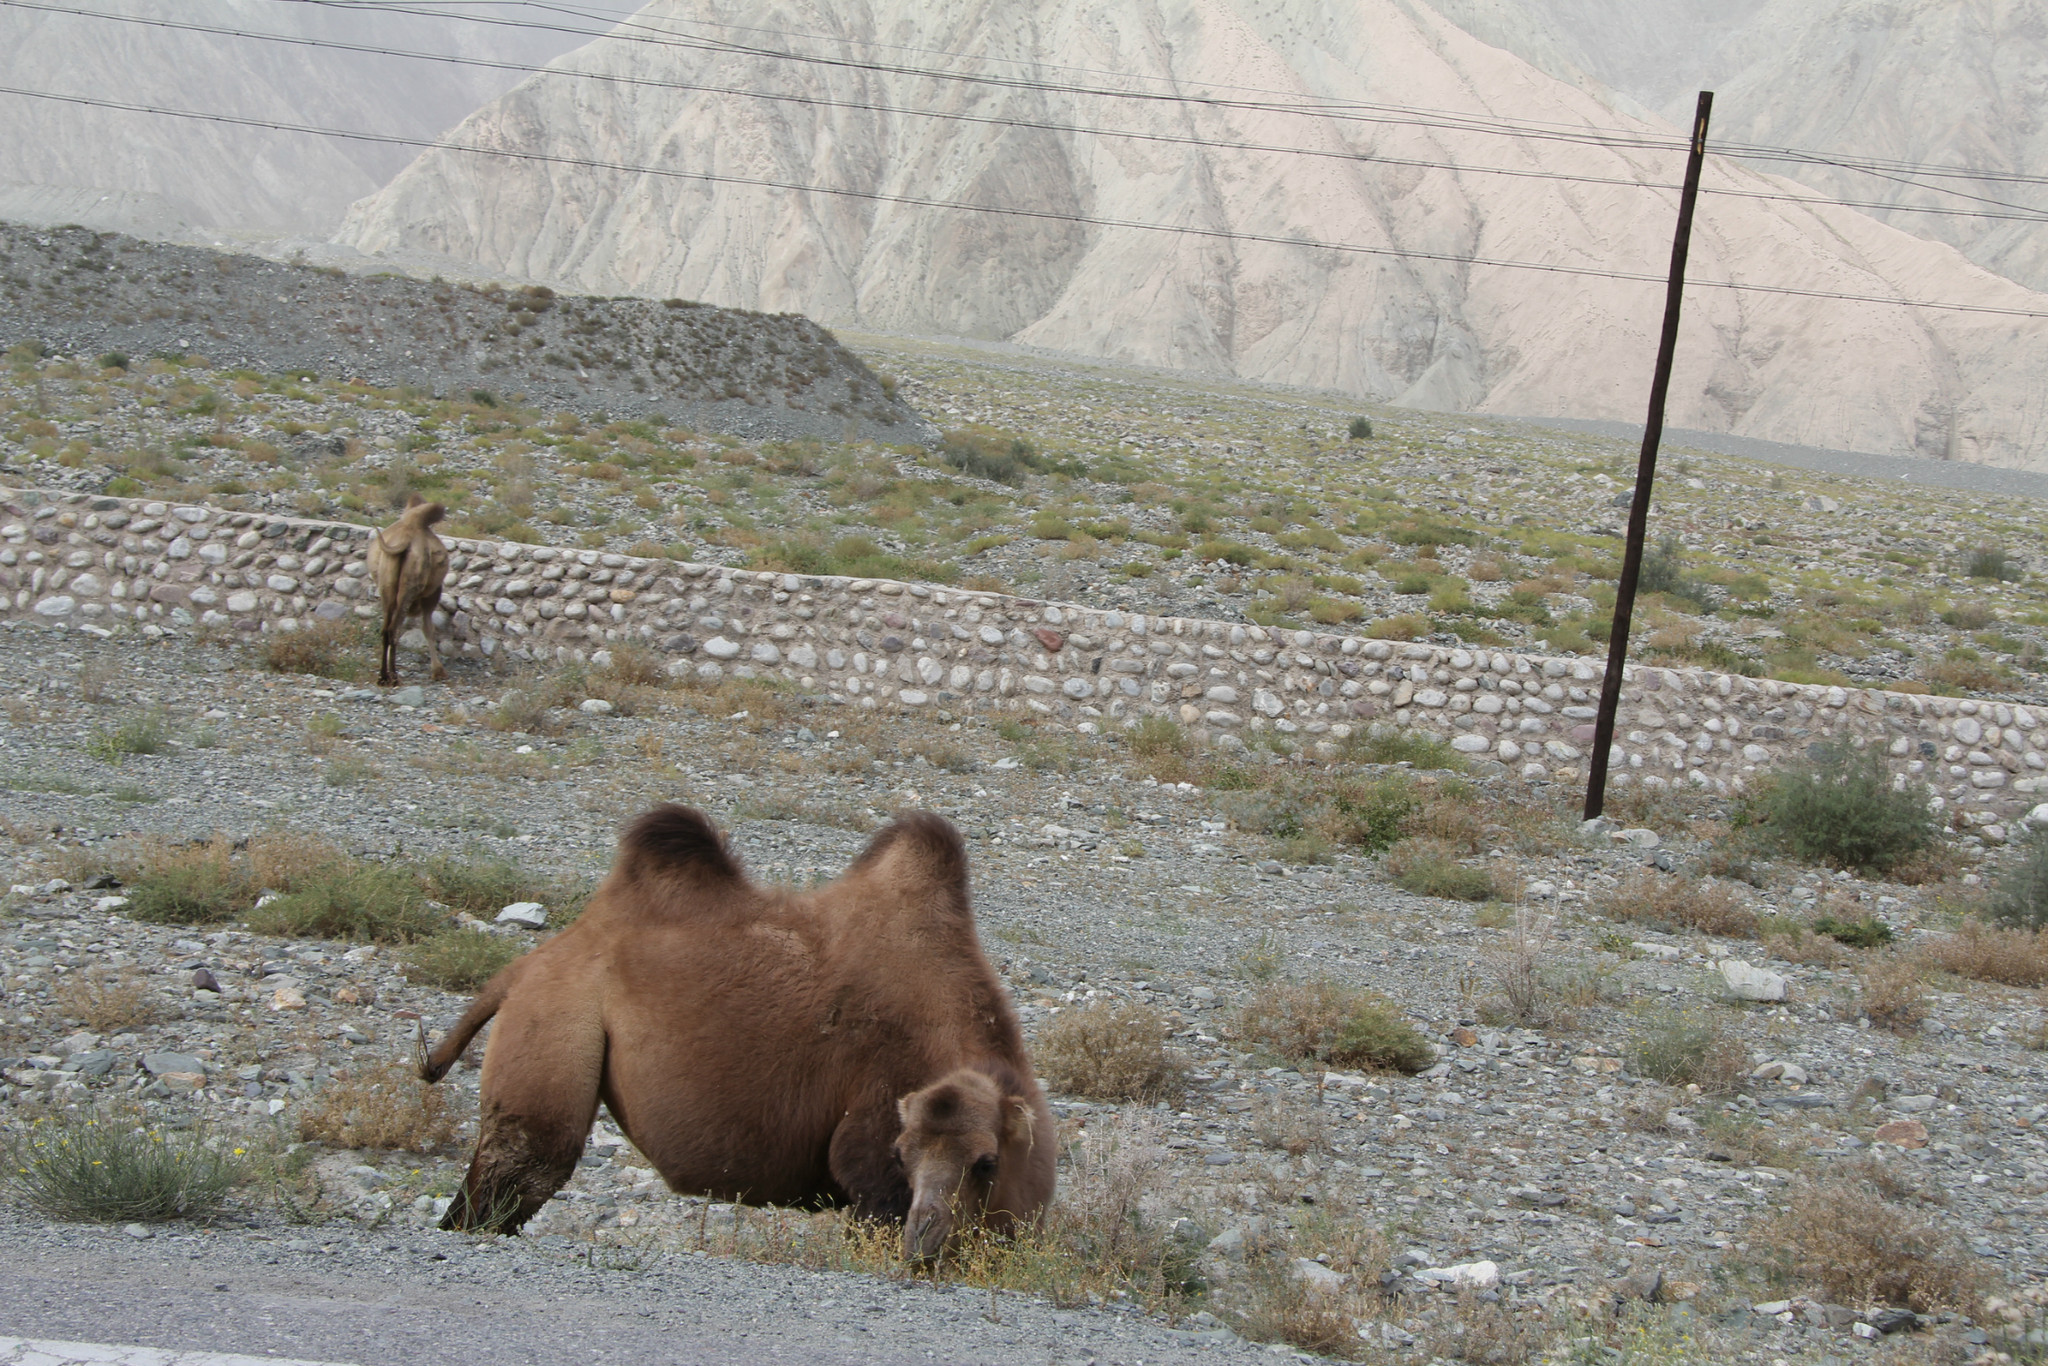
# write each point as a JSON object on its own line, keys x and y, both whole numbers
{"x": 539, "y": 1097}
{"x": 431, "y": 605}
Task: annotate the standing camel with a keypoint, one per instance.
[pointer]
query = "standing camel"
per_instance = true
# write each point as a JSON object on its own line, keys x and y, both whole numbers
{"x": 408, "y": 561}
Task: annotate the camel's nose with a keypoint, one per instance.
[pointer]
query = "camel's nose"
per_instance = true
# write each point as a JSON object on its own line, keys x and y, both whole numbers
{"x": 925, "y": 1233}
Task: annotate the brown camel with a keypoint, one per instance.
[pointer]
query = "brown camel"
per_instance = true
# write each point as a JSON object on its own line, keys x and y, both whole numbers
{"x": 844, "y": 1046}
{"x": 409, "y": 563}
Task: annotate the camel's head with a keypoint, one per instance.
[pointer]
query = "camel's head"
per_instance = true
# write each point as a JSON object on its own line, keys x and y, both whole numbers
{"x": 965, "y": 1144}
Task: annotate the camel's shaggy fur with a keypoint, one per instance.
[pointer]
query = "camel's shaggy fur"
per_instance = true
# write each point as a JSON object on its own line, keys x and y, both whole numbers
{"x": 848, "y": 1045}
{"x": 409, "y": 563}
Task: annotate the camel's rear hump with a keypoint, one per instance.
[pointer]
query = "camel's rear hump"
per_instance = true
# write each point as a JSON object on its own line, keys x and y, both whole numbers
{"x": 919, "y": 857}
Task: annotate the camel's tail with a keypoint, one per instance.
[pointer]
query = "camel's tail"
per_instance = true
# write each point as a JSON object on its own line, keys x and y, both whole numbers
{"x": 435, "y": 1065}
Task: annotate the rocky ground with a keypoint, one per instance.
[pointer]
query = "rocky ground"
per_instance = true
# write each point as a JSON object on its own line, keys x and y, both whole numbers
{"x": 1540, "y": 1149}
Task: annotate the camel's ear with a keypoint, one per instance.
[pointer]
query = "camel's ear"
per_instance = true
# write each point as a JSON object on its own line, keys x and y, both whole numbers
{"x": 1020, "y": 1122}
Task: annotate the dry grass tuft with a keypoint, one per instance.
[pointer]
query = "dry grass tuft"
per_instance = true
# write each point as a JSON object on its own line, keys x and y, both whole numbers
{"x": 330, "y": 649}
{"x": 105, "y": 1001}
{"x": 2015, "y": 957}
{"x": 1797, "y": 943}
{"x": 1280, "y": 1307}
{"x": 1488, "y": 1333}
{"x": 380, "y": 1106}
{"x": 1110, "y": 1052}
{"x": 1293, "y": 1129}
{"x": 1892, "y": 995}
{"x": 1323, "y": 1021}
{"x": 1841, "y": 1236}
{"x": 285, "y": 860}
{"x": 1674, "y": 903}
{"x": 1533, "y": 985}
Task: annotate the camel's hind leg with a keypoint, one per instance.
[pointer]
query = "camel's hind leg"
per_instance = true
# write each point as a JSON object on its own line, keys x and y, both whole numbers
{"x": 540, "y": 1082}
{"x": 427, "y": 628}
{"x": 387, "y": 653}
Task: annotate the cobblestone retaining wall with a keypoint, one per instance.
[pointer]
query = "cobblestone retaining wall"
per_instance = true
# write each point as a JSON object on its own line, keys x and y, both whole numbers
{"x": 104, "y": 564}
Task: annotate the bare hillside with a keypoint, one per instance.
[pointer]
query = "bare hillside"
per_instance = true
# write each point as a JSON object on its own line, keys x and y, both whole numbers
{"x": 1393, "y": 314}
{"x": 110, "y": 168}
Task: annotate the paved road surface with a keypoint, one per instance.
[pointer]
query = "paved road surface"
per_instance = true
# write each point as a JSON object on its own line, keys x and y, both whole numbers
{"x": 390, "y": 1297}
{"x": 27, "y": 1352}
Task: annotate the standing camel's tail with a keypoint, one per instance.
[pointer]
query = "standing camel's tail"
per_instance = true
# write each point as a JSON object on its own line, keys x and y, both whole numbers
{"x": 435, "y": 1065}
{"x": 405, "y": 541}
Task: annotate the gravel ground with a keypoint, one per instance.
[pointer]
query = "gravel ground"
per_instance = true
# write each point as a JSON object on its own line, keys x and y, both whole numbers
{"x": 714, "y": 369}
{"x": 1540, "y": 1150}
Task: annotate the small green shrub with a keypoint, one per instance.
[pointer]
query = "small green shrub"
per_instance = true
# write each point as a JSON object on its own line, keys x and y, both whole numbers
{"x": 1361, "y": 429}
{"x": 1390, "y": 746}
{"x": 144, "y": 733}
{"x": 1840, "y": 807}
{"x": 989, "y": 454}
{"x": 460, "y": 960}
{"x": 1370, "y": 816}
{"x": 1158, "y": 737}
{"x": 1428, "y": 866}
{"x": 107, "y": 1169}
{"x": 1990, "y": 562}
{"x": 189, "y": 884}
{"x": 1260, "y": 961}
{"x": 1323, "y": 1021}
{"x": 366, "y": 903}
{"x": 1407, "y": 626}
{"x": 2019, "y": 900}
{"x": 113, "y": 360}
{"x": 1867, "y": 933}
{"x": 484, "y": 886}
{"x": 1688, "y": 1050}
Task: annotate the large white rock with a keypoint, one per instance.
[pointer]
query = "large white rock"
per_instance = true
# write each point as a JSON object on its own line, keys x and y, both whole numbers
{"x": 1476, "y": 1275}
{"x": 1749, "y": 983}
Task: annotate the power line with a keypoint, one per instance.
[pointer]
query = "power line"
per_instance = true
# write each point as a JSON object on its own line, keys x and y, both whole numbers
{"x": 631, "y": 30}
{"x": 1355, "y": 111}
{"x": 914, "y": 201}
{"x": 2015, "y": 212}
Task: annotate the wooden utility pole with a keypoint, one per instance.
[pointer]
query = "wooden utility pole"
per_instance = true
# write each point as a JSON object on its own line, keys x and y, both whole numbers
{"x": 1646, "y": 470}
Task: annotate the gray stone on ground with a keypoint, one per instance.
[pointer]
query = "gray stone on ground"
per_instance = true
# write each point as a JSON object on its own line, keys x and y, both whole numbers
{"x": 167, "y": 1064}
{"x": 530, "y": 914}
